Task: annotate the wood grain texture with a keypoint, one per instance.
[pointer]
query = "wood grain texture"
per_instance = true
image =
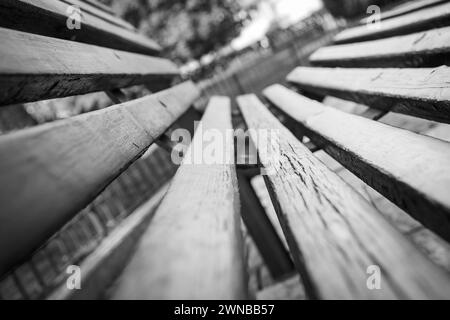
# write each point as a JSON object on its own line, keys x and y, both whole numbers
{"x": 334, "y": 234}
{"x": 423, "y": 92}
{"x": 430, "y": 48}
{"x": 193, "y": 248}
{"x": 50, "y": 172}
{"x": 409, "y": 169}
{"x": 405, "y": 8}
{"x": 35, "y": 67}
{"x": 49, "y": 18}
{"x": 355, "y": 108}
{"x": 101, "y": 267}
{"x": 428, "y": 18}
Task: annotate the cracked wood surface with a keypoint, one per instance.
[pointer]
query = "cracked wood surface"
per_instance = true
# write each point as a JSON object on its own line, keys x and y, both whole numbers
{"x": 334, "y": 234}
{"x": 193, "y": 248}
{"x": 408, "y": 168}
{"x": 423, "y": 93}
{"x": 34, "y": 68}
{"x": 51, "y": 171}
{"x": 430, "y": 48}
{"x": 428, "y": 18}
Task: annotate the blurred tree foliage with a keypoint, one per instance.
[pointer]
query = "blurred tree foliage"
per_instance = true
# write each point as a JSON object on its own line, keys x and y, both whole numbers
{"x": 186, "y": 29}
{"x": 353, "y": 8}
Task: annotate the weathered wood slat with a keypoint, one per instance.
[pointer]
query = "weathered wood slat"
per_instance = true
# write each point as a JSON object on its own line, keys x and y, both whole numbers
{"x": 333, "y": 233}
{"x": 49, "y": 18}
{"x": 100, "y": 6}
{"x": 409, "y": 169}
{"x": 102, "y": 266}
{"x": 428, "y": 18}
{"x": 423, "y": 49}
{"x": 193, "y": 248}
{"x": 405, "y": 8}
{"x": 34, "y": 67}
{"x": 50, "y": 172}
{"x": 423, "y": 93}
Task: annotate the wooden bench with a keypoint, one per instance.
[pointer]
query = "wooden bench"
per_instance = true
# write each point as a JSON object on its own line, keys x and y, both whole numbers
{"x": 333, "y": 233}
{"x": 187, "y": 241}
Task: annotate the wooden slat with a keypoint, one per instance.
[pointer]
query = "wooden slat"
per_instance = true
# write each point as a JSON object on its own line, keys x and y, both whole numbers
{"x": 354, "y": 108}
{"x": 102, "y": 266}
{"x": 334, "y": 234}
{"x": 193, "y": 247}
{"x": 423, "y": 93}
{"x": 100, "y": 6}
{"x": 433, "y": 17}
{"x": 405, "y": 8}
{"x": 34, "y": 67}
{"x": 49, "y": 18}
{"x": 424, "y": 49}
{"x": 50, "y": 172}
{"x": 409, "y": 169}
{"x": 87, "y": 8}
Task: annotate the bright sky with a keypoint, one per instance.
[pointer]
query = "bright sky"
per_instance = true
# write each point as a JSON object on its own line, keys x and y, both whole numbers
{"x": 290, "y": 11}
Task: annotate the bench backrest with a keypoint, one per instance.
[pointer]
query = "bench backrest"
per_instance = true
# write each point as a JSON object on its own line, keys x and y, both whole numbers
{"x": 193, "y": 247}
{"x": 52, "y": 171}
